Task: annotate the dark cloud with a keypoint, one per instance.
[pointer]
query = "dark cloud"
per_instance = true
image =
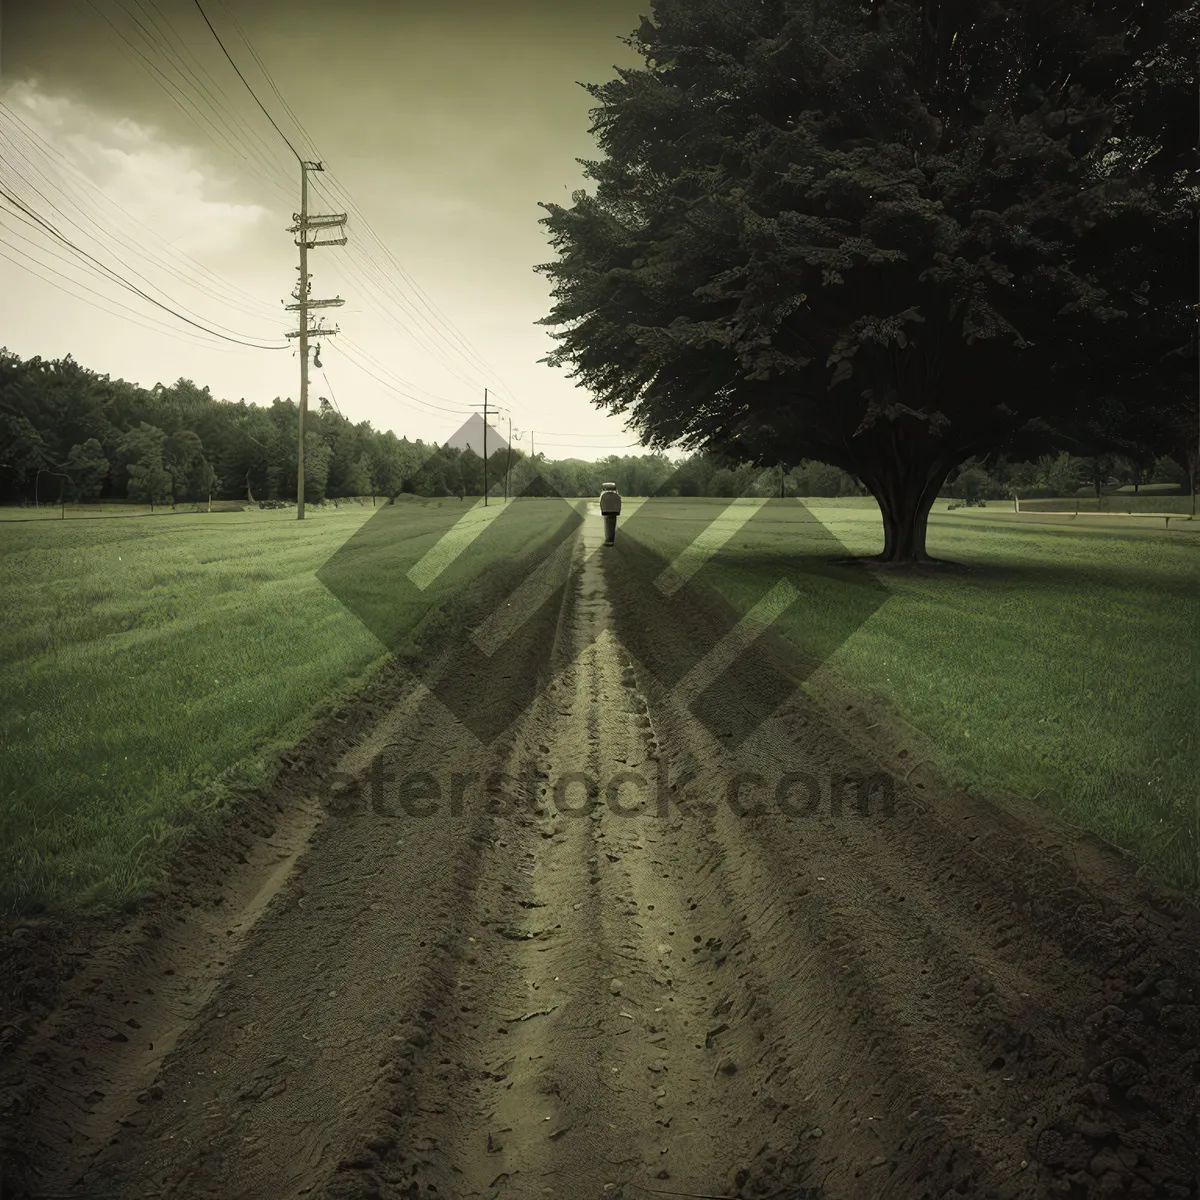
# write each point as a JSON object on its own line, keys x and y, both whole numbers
{"x": 446, "y": 121}
{"x": 456, "y": 53}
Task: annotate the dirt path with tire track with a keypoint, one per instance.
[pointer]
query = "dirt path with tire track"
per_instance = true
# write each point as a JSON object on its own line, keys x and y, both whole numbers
{"x": 584, "y": 962}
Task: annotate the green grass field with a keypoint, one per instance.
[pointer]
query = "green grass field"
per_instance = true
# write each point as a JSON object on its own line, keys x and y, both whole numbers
{"x": 150, "y": 661}
{"x": 1063, "y": 667}
{"x": 1124, "y": 502}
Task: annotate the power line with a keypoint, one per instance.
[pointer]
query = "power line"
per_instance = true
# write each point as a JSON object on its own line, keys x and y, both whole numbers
{"x": 413, "y": 399}
{"x": 367, "y": 265}
{"x": 138, "y": 274}
{"x": 164, "y": 50}
{"x": 266, "y": 75}
{"x": 109, "y": 303}
{"x": 400, "y": 380}
{"x": 560, "y": 433}
{"x": 262, "y": 142}
{"x": 43, "y": 147}
{"x": 331, "y": 395}
{"x": 248, "y": 87}
{"x": 571, "y": 445}
{"x": 368, "y": 270}
{"x": 121, "y": 280}
{"x": 351, "y": 207}
{"x": 373, "y": 269}
{"x": 166, "y": 85}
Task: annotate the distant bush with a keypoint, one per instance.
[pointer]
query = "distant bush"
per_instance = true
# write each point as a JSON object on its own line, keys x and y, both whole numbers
{"x": 1167, "y": 470}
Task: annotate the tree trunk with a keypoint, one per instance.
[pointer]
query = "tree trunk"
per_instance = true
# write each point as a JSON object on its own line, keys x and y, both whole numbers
{"x": 906, "y": 495}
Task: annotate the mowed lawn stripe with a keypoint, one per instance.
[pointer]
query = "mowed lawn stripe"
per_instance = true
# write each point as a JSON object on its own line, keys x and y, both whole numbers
{"x": 149, "y": 661}
{"x": 1063, "y": 667}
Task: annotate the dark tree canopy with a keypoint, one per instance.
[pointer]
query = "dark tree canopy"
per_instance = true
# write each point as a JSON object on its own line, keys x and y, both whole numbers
{"x": 876, "y": 235}
{"x": 106, "y": 438}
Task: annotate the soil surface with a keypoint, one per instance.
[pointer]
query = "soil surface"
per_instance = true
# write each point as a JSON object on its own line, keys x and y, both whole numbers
{"x": 620, "y": 952}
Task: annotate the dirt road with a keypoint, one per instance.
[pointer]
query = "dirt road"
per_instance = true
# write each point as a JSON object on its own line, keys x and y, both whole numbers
{"x": 585, "y": 963}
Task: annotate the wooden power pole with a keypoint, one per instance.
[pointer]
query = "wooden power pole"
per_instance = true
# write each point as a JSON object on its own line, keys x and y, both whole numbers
{"x": 305, "y": 223}
{"x": 508, "y": 461}
{"x": 485, "y": 449}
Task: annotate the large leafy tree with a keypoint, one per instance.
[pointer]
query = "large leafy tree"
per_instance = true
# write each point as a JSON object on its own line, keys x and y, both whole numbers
{"x": 142, "y": 453}
{"x": 88, "y": 468}
{"x": 1158, "y": 145}
{"x": 859, "y": 234}
{"x": 188, "y": 469}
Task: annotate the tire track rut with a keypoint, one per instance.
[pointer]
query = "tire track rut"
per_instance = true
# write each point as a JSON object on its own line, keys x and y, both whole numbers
{"x": 592, "y": 970}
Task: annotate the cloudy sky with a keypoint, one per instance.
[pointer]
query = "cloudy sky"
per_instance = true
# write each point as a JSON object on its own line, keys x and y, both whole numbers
{"x": 442, "y": 124}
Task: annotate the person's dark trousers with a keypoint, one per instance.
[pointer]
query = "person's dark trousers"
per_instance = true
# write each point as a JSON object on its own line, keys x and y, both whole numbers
{"x": 610, "y": 528}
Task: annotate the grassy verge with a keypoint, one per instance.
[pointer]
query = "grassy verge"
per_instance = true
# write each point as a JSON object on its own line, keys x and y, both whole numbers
{"x": 1121, "y": 503}
{"x": 95, "y": 509}
{"x": 151, "y": 665}
{"x": 1063, "y": 666}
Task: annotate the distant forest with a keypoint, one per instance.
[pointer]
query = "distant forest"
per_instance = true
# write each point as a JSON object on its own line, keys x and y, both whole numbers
{"x": 67, "y": 432}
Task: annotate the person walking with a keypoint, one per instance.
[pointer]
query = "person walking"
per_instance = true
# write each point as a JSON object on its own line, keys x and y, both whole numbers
{"x": 610, "y": 507}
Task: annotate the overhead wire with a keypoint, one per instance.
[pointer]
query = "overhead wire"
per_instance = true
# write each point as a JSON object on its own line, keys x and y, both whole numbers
{"x": 129, "y": 268}
{"x": 49, "y": 227}
{"x": 467, "y": 349}
{"x": 365, "y": 263}
{"x": 369, "y": 270}
{"x": 350, "y": 357}
{"x": 398, "y": 379}
{"x": 45, "y": 149}
{"x": 265, "y": 145}
{"x": 560, "y": 433}
{"x": 571, "y": 445}
{"x": 331, "y": 395}
{"x": 175, "y": 95}
{"x": 25, "y": 211}
{"x": 136, "y": 318}
{"x": 368, "y": 266}
{"x": 166, "y": 85}
{"x": 248, "y": 87}
{"x": 237, "y": 133}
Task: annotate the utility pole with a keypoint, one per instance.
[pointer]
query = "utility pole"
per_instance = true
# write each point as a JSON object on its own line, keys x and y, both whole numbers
{"x": 508, "y": 461}
{"x": 485, "y": 450}
{"x": 304, "y": 223}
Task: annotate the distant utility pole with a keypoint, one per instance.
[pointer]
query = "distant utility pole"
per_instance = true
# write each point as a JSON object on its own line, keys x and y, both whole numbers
{"x": 304, "y": 223}
{"x": 485, "y": 450}
{"x": 508, "y": 461}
